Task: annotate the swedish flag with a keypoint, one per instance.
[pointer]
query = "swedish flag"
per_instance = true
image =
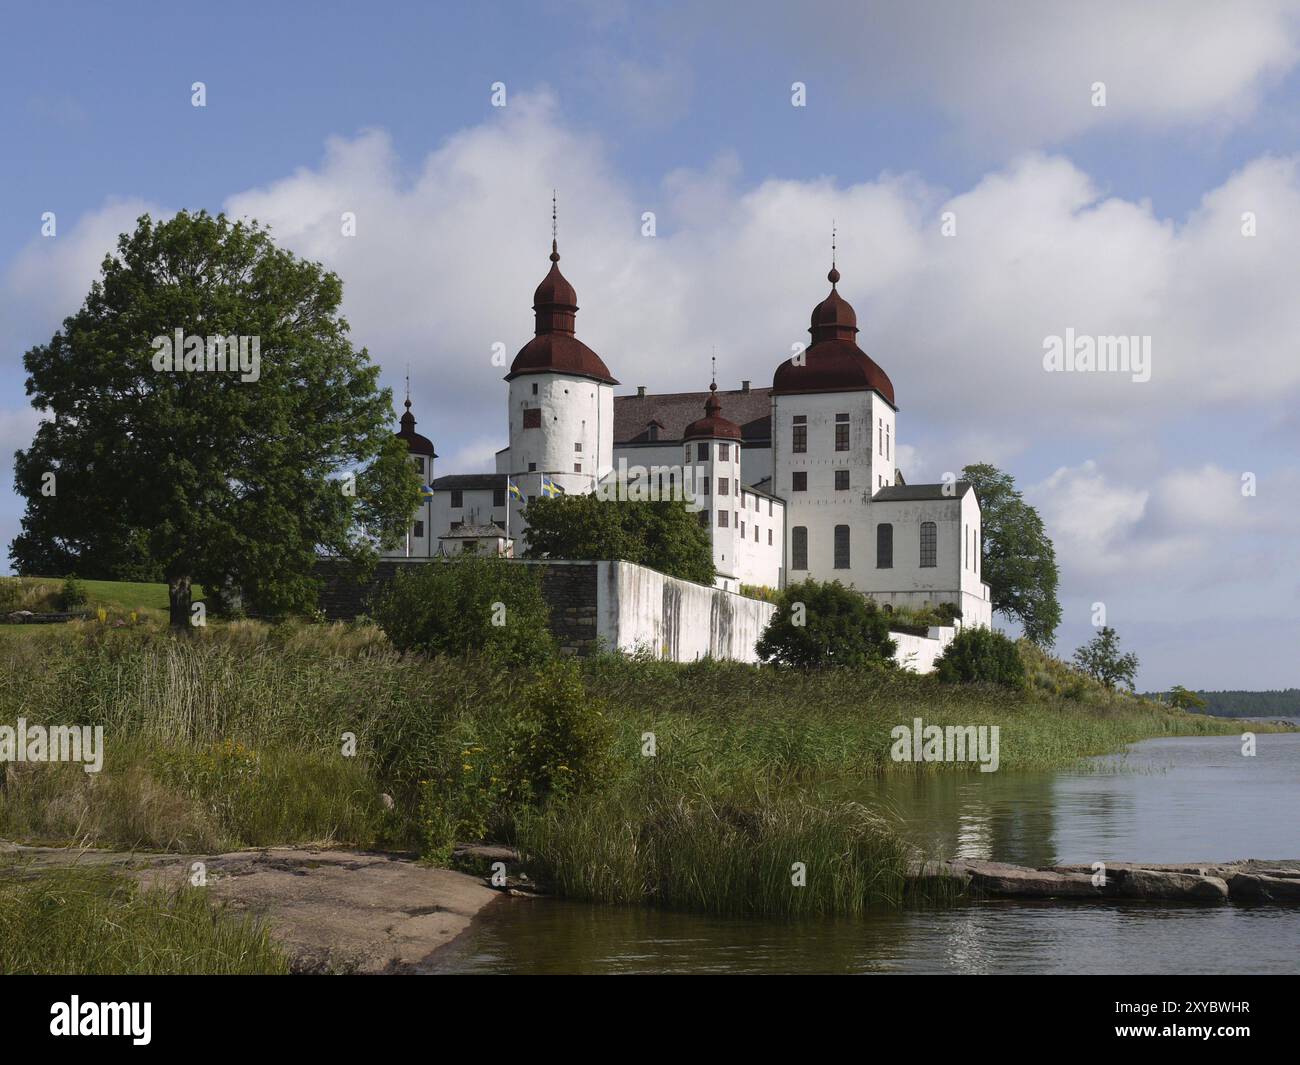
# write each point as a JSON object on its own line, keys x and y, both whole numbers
{"x": 550, "y": 488}
{"x": 514, "y": 491}
{"x": 426, "y": 492}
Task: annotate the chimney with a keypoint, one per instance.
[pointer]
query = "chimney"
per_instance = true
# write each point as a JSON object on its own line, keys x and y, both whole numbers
{"x": 640, "y": 391}
{"x": 744, "y": 387}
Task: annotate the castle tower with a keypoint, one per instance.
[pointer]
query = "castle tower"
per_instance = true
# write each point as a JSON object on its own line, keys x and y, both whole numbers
{"x": 561, "y": 404}
{"x": 421, "y": 537}
{"x": 712, "y": 453}
{"x": 832, "y": 447}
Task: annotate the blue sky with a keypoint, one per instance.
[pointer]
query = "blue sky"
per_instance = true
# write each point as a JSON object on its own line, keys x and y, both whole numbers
{"x": 1121, "y": 219}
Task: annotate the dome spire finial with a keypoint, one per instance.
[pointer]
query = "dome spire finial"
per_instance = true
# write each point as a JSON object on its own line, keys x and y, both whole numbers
{"x": 834, "y": 275}
{"x": 555, "y": 250}
{"x": 408, "y": 386}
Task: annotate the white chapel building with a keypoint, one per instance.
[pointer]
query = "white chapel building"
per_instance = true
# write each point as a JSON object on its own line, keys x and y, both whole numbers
{"x": 793, "y": 481}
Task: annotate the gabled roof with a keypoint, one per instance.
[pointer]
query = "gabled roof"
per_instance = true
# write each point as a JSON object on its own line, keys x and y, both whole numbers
{"x": 468, "y": 480}
{"x": 674, "y": 411}
{"x": 906, "y": 493}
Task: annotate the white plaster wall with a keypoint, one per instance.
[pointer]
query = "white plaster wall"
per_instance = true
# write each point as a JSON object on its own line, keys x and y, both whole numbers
{"x": 822, "y": 507}
{"x": 575, "y": 410}
{"x": 919, "y": 653}
{"x": 757, "y": 561}
{"x": 679, "y": 620}
{"x": 907, "y": 574}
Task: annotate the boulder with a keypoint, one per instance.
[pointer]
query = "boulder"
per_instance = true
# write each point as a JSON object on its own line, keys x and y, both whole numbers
{"x": 1016, "y": 881}
{"x": 1257, "y": 887}
{"x": 1164, "y": 884}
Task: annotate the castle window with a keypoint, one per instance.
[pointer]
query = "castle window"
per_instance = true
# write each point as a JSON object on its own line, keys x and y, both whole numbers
{"x": 722, "y": 518}
{"x": 688, "y": 453}
{"x": 884, "y": 546}
{"x": 706, "y": 485}
{"x": 701, "y": 452}
{"x": 769, "y": 508}
{"x": 799, "y": 481}
{"x": 419, "y": 530}
{"x": 457, "y": 498}
{"x": 498, "y": 497}
{"x": 756, "y": 534}
{"x": 880, "y": 435}
{"x": 742, "y": 530}
{"x": 532, "y": 467}
{"x": 841, "y": 547}
{"x": 799, "y": 547}
{"x": 704, "y": 518}
{"x": 419, "y": 464}
{"x": 532, "y": 417}
{"x": 724, "y": 452}
{"x": 769, "y": 537}
{"x": 534, "y": 388}
{"x": 723, "y": 486}
{"x": 929, "y": 544}
{"x": 841, "y": 432}
{"x": 577, "y": 467}
{"x": 799, "y": 435}
{"x": 841, "y": 480}
{"x": 577, "y": 447}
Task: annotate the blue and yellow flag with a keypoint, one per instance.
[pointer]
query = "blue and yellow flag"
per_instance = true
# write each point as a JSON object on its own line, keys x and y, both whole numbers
{"x": 426, "y": 492}
{"x": 550, "y": 488}
{"x": 514, "y": 491}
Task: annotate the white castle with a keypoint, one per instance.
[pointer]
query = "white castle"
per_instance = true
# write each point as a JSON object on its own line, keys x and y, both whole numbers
{"x": 793, "y": 481}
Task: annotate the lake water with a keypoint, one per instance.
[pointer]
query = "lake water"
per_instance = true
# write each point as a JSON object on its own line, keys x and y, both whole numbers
{"x": 1166, "y": 800}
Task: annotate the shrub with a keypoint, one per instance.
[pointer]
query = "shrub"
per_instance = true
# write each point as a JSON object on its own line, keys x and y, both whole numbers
{"x": 820, "y": 626}
{"x": 981, "y": 655}
{"x": 471, "y": 603}
{"x": 562, "y": 742}
{"x": 73, "y": 594}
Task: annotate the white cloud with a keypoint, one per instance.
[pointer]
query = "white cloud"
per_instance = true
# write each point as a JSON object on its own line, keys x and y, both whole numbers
{"x": 1020, "y": 72}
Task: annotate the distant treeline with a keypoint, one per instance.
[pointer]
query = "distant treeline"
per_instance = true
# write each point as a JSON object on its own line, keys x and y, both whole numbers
{"x": 1282, "y": 703}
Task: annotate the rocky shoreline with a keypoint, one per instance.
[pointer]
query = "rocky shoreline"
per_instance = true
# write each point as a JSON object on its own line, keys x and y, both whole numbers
{"x": 1245, "y": 881}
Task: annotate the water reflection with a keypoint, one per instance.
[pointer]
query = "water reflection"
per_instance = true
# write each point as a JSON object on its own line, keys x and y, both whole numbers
{"x": 1185, "y": 799}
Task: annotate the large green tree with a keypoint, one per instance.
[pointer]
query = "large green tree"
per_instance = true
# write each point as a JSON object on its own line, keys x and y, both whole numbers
{"x": 234, "y": 478}
{"x": 661, "y": 534}
{"x": 1019, "y": 561}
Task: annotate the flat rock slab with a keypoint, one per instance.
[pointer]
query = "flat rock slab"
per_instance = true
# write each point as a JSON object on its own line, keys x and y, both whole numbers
{"x": 331, "y": 910}
{"x": 1003, "y": 879}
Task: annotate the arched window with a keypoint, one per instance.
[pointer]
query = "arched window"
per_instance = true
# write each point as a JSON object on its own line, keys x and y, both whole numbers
{"x": 841, "y": 547}
{"x": 929, "y": 544}
{"x": 884, "y": 546}
{"x": 799, "y": 547}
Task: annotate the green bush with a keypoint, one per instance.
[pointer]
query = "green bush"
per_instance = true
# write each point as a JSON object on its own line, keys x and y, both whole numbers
{"x": 73, "y": 594}
{"x": 981, "y": 655}
{"x": 822, "y": 626}
{"x": 469, "y": 604}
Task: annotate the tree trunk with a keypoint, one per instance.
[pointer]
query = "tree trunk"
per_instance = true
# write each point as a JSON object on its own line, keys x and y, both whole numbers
{"x": 178, "y": 592}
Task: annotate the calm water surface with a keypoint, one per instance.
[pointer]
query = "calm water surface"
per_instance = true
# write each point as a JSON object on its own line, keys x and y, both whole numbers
{"x": 1167, "y": 800}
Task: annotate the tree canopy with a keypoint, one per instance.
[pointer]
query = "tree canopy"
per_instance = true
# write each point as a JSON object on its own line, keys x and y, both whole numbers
{"x": 1101, "y": 659}
{"x": 661, "y": 534}
{"x": 821, "y": 625}
{"x": 234, "y": 477}
{"x": 1019, "y": 561}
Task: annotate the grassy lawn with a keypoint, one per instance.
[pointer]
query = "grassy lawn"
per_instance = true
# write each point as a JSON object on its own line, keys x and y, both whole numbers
{"x": 119, "y": 598}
